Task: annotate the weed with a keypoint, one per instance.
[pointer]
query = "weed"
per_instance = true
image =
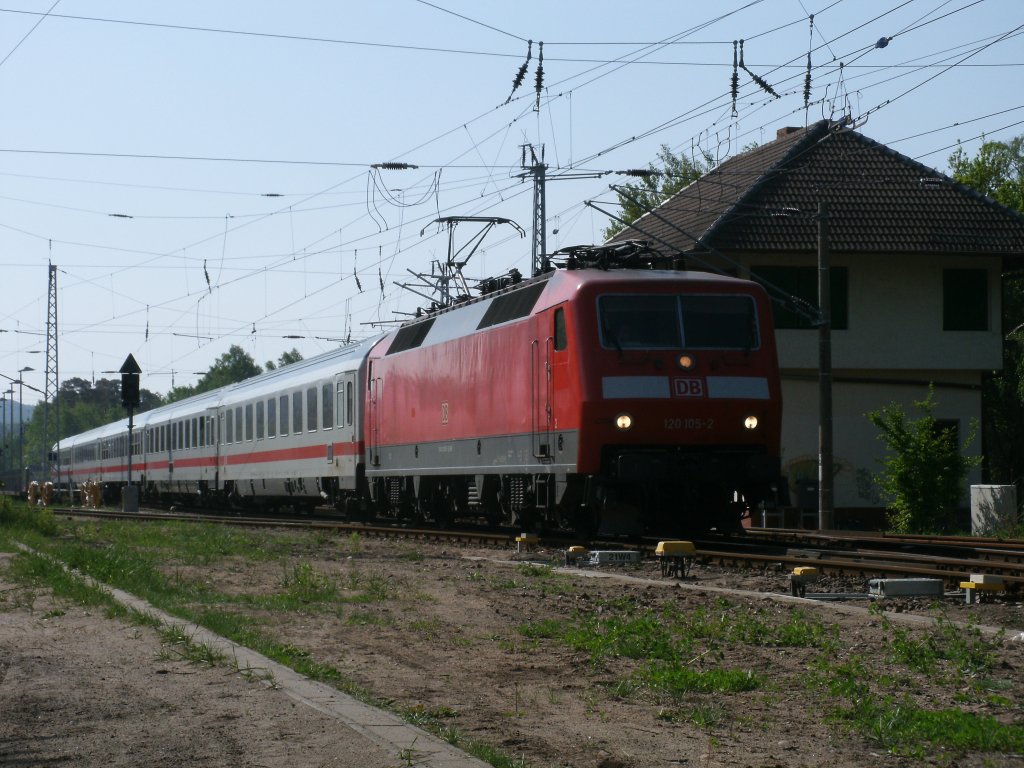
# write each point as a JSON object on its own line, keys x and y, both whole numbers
{"x": 354, "y": 544}
{"x": 678, "y": 680}
{"x": 180, "y": 643}
{"x": 305, "y": 584}
{"x": 366, "y": 618}
{"x": 547, "y": 629}
{"x": 707, "y": 715}
{"x": 412, "y": 554}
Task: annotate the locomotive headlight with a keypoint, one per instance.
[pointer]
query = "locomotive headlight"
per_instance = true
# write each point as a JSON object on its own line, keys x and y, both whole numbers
{"x": 750, "y": 422}
{"x": 623, "y": 421}
{"x": 686, "y": 362}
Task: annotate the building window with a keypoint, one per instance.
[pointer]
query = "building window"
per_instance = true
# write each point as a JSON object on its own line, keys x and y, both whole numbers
{"x": 802, "y": 282}
{"x": 964, "y": 300}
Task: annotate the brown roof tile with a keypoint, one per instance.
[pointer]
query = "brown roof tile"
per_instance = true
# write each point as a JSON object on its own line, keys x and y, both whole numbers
{"x": 879, "y": 201}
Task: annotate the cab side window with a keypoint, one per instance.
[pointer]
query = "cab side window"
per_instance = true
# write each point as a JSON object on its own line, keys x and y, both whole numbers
{"x": 561, "y": 341}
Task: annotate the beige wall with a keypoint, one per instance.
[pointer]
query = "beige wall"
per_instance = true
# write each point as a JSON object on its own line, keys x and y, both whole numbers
{"x": 856, "y": 447}
{"x": 895, "y": 318}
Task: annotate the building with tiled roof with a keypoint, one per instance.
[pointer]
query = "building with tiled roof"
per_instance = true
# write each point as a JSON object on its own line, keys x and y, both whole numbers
{"x": 916, "y": 262}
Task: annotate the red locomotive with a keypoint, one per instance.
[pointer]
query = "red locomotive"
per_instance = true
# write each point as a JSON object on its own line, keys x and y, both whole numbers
{"x": 598, "y": 396}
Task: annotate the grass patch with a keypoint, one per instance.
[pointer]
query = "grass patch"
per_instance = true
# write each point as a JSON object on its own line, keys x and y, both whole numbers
{"x": 905, "y": 728}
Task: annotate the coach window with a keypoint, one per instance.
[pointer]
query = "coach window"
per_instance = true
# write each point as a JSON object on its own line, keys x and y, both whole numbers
{"x": 284, "y": 415}
{"x": 271, "y": 417}
{"x": 238, "y": 424}
{"x": 328, "y": 406}
{"x": 349, "y": 404}
{"x": 248, "y": 422}
{"x": 259, "y": 420}
{"x": 339, "y": 406}
{"x": 311, "y": 409}
{"x": 297, "y": 412}
{"x": 560, "y": 339}
{"x": 189, "y": 429}
{"x": 181, "y": 436}
{"x": 229, "y": 431}
{"x": 202, "y": 432}
{"x": 195, "y": 433}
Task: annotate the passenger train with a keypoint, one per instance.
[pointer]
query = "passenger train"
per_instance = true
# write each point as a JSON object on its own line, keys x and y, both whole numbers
{"x": 598, "y": 396}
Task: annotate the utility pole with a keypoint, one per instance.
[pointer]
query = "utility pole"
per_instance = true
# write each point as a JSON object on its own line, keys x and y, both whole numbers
{"x": 825, "y": 473}
{"x": 21, "y": 427}
{"x": 537, "y": 169}
{"x": 52, "y": 376}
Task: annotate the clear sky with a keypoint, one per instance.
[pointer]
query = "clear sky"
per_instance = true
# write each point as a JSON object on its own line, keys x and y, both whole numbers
{"x": 200, "y": 171}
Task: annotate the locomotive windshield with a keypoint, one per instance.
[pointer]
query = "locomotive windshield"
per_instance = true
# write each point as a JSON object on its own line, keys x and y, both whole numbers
{"x": 706, "y": 321}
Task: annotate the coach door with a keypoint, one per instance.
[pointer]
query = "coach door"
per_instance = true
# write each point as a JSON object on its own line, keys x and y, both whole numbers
{"x": 345, "y": 446}
{"x": 211, "y": 464}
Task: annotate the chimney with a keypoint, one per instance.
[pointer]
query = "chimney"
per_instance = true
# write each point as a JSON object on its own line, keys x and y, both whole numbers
{"x": 784, "y": 132}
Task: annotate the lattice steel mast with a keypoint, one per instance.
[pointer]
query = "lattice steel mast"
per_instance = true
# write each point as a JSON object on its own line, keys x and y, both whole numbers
{"x": 52, "y": 377}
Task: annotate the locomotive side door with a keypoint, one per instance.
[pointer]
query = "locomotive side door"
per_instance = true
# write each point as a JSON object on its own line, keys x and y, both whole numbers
{"x": 541, "y": 387}
{"x": 373, "y": 417}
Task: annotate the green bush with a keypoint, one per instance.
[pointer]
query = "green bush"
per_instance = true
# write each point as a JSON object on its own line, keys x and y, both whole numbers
{"x": 924, "y": 472}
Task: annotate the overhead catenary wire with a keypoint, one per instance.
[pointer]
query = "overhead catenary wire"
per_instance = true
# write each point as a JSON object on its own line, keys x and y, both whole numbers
{"x": 555, "y": 96}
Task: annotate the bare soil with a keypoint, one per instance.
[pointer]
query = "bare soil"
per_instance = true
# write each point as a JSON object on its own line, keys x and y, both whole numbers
{"x": 437, "y": 629}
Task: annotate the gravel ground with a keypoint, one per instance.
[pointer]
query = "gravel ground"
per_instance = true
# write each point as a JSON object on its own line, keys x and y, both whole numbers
{"x": 448, "y": 634}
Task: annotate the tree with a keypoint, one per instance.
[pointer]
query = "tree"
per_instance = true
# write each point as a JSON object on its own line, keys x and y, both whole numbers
{"x": 83, "y": 406}
{"x": 998, "y": 171}
{"x": 286, "y": 358}
{"x": 651, "y": 191}
{"x": 233, "y": 366}
{"x": 924, "y": 471}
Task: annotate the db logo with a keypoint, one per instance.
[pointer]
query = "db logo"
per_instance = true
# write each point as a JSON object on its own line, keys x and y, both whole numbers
{"x": 689, "y": 387}
{"x": 444, "y": 412}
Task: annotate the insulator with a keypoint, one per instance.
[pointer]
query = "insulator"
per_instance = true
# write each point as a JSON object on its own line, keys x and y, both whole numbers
{"x": 540, "y": 73}
{"x": 807, "y": 83}
{"x": 394, "y": 166}
{"x": 735, "y": 89}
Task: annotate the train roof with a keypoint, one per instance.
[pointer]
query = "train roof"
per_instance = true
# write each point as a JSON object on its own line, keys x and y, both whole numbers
{"x": 334, "y": 361}
{"x": 518, "y": 300}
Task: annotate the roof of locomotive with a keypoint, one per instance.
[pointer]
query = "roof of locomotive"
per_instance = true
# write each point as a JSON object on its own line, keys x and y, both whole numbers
{"x": 469, "y": 316}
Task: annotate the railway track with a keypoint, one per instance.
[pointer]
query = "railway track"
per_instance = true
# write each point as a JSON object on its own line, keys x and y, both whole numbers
{"x": 952, "y": 559}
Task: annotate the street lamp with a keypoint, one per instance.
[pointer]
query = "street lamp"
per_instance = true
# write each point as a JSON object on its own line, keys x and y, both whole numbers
{"x": 21, "y": 425}
{"x": 3, "y": 432}
{"x": 10, "y": 434}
